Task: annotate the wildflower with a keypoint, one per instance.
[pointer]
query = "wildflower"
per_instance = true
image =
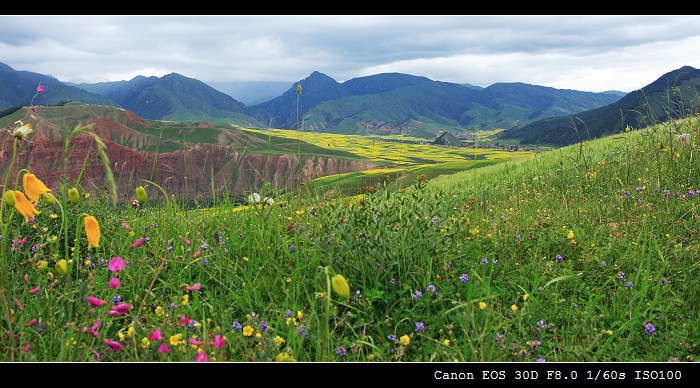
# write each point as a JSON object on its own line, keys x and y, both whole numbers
{"x": 23, "y": 206}
{"x": 115, "y": 346}
{"x": 194, "y": 287}
{"x": 73, "y": 196}
{"x": 604, "y": 264}
{"x": 33, "y": 187}
{"x": 417, "y": 296}
{"x": 391, "y": 337}
{"x": 175, "y": 339}
{"x": 116, "y": 264}
{"x": 559, "y": 259}
{"x": 283, "y": 357}
{"x": 22, "y": 131}
{"x": 432, "y": 290}
{"x": 39, "y": 89}
{"x": 219, "y": 341}
{"x": 535, "y": 343}
{"x": 279, "y": 340}
{"x": 392, "y": 281}
{"x": 514, "y": 307}
{"x": 248, "y": 331}
{"x": 197, "y": 254}
{"x": 464, "y": 278}
{"x": 420, "y": 327}
{"x": 649, "y": 328}
{"x": 164, "y": 348}
{"x": 292, "y": 248}
{"x": 340, "y": 286}
{"x": 62, "y": 267}
{"x": 237, "y": 326}
{"x": 155, "y": 335}
{"x": 160, "y": 311}
{"x": 446, "y": 342}
{"x": 621, "y": 276}
{"x": 118, "y": 309}
{"x": 540, "y": 325}
{"x": 126, "y": 226}
{"x": 141, "y": 194}
{"x": 664, "y": 282}
{"x": 114, "y": 283}
{"x": 95, "y": 302}
{"x": 341, "y": 351}
{"x": 92, "y": 231}
{"x": 540, "y": 359}
{"x": 185, "y": 299}
{"x": 570, "y": 235}
{"x": 484, "y": 261}
{"x": 482, "y": 305}
{"x": 526, "y": 296}
{"x": 263, "y": 326}
{"x": 117, "y": 299}
{"x": 254, "y": 198}
{"x": 405, "y": 340}
{"x": 34, "y": 290}
{"x": 137, "y": 243}
{"x": 628, "y": 284}
{"x": 202, "y": 356}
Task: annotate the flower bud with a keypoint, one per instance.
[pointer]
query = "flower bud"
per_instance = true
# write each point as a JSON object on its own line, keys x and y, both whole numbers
{"x": 74, "y": 196}
{"x": 62, "y": 267}
{"x": 141, "y": 194}
{"x": 9, "y": 197}
{"x": 340, "y": 286}
{"x": 41, "y": 264}
{"x": 50, "y": 199}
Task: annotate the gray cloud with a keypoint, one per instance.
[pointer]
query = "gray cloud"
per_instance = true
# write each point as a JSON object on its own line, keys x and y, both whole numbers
{"x": 593, "y": 53}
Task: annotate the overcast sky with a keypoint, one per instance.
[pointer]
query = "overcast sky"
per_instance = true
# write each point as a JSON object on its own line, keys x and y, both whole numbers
{"x": 588, "y": 53}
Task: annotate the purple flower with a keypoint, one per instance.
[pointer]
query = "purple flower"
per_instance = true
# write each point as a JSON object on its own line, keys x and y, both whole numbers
{"x": 292, "y": 248}
{"x": 341, "y": 351}
{"x": 559, "y": 259}
{"x": 535, "y": 343}
{"x": 628, "y": 284}
{"x": 540, "y": 325}
{"x": 417, "y": 296}
{"x": 484, "y": 261}
{"x": 289, "y": 313}
{"x": 263, "y": 326}
{"x": 464, "y": 278}
{"x": 432, "y": 290}
{"x": 649, "y": 329}
{"x": 391, "y": 337}
{"x": 392, "y": 281}
{"x": 205, "y": 262}
{"x": 420, "y": 327}
{"x": 621, "y": 276}
{"x": 237, "y": 326}
{"x": 540, "y": 359}
{"x": 604, "y": 264}
{"x": 205, "y": 246}
{"x": 664, "y": 282}
{"x": 117, "y": 299}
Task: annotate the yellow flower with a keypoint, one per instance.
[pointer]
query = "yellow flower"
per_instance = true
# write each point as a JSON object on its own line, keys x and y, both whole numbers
{"x": 446, "y": 342}
{"x": 121, "y": 336}
{"x": 24, "y": 207}
{"x": 610, "y": 332}
{"x": 160, "y": 311}
{"x": 92, "y": 231}
{"x": 258, "y": 335}
{"x": 482, "y": 305}
{"x": 405, "y": 340}
{"x": 526, "y": 296}
{"x": 54, "y": 215}
{"x": 279, "y": 340}
{"x": 185, "y": 299}
{"x": 22, "y": 132}
{"x": 175, "y": 339}
{"x": 145, "y": 342}
{"x": 130, "y": 331}
{"x": 42, "y": 264}
{"x": 341, "y": 286}
{"x": 283, "y": 357}
{"x": 247, "y": 331}
{"x": 33, "y": 187}
{"x": 62, "y": 267}
{"x": 299, "y": 314}
{"x": 571, "y": 234}
{"x": 514, "y": 307}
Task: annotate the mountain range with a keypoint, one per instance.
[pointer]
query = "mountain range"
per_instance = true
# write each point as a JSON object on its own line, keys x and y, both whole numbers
{"x": 389, "y": 103}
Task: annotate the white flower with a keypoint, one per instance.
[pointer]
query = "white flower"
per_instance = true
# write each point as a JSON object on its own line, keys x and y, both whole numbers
{"x": 254, "y": 198}
{"x": 22, "y": 131}
{"x": 269, "y": 201}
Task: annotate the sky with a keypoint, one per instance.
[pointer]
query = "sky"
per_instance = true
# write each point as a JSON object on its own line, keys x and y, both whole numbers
{"x": 586, "y": 53}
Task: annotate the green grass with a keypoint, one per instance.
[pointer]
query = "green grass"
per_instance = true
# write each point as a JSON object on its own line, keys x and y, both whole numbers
{"x": 513, "y": 261}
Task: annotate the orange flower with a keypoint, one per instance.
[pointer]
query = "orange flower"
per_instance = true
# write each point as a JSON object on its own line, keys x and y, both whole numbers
{"x": 34, "y": 187}
{"x": 24, "y": 207}
{"x": 92, "y": 231}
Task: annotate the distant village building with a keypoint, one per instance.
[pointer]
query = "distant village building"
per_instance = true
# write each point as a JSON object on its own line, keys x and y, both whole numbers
{"x": 448, "y": 139}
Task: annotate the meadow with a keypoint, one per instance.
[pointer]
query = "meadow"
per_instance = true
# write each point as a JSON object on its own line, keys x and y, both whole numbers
{"x": 585, "y": 253}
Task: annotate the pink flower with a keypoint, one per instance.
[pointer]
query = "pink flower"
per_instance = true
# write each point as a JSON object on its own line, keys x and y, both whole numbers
{"x": 114, "y": 283}
{"x": 186, "y": 241}
{"x": 197, "y": 254}
{"x": 95, "y": 354}
{"x": 126, "y": 226}
{"x": 184, "y": 321}
{"x": 27, "y": 347}
{"x": 39, "y": 89}
{"x": 32, "y": 116}
{"x": 30, "y": 323}
{"x": 93, "y": 329}
{"x": 18, "y": 304}
{"x": 137, "y": 243}
{"x": 118, "y": 309}
{"x": 202, "y": 356}
{"x": 114, "y": 345}
{"x": 164, "y": 348}
{"x": 116, "y": 264}
{"x": 35, "y": 290}
{"x": 219, "y": 341}
{"x": 25, "y": 278}
{"x": 94, "y": 302}
{"x": 194, "y": 287}
{"x": 156, "y": 335}
{"x": 195, "y": 342}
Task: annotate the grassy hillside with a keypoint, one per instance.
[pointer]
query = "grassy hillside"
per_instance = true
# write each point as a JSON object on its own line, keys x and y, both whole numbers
{"x": 586, "y": 253}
